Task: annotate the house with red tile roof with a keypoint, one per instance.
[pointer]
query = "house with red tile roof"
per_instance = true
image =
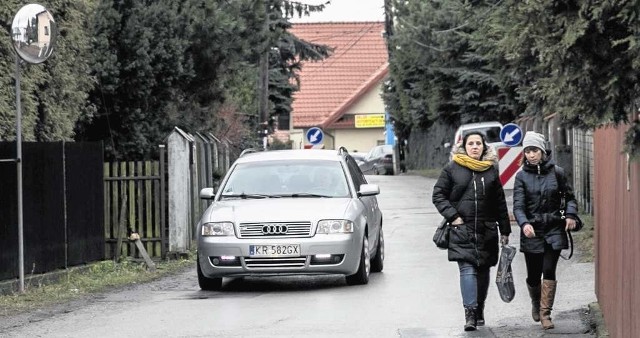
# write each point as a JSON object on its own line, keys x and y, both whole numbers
{"x": 341, "y": 95}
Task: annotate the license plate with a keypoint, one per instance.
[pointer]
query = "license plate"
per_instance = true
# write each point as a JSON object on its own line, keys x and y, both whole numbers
{"x": 279, "y": 250}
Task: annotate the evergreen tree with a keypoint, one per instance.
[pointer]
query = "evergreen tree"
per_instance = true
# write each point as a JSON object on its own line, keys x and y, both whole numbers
{"x": 161, "y": 64}
{"x": 438, "y": 72}
{"x": 584, "y": 57}
{"x": 574, "y": 58}
{"x": 286, "y": 54}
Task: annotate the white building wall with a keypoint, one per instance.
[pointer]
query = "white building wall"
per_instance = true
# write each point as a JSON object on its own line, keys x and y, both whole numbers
{"x": 370, "y": 103}
{"x": 363, "y": 139}
{"x": 360, "y": 139}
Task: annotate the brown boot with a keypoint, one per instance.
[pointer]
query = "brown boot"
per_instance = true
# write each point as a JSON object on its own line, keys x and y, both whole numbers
{"x": 547, "y": 297}
{"x": 534, "y": 293}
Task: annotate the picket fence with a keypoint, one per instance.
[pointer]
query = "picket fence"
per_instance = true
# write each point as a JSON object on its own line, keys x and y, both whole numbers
{"x": 134, "y": 203}
{"x": 159, "y": 200}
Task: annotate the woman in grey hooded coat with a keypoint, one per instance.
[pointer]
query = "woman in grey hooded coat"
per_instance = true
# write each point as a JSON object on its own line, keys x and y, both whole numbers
{"x": 536, "y": 204}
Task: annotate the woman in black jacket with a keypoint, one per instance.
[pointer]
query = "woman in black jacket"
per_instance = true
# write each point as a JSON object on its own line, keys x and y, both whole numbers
{"x": 470, "y": 197}
{"x": 536, "y": 205}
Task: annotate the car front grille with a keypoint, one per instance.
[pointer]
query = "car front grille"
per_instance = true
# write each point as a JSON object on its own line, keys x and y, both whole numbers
{"x": 275, "y": 230}
{"x": 289, "y": 262}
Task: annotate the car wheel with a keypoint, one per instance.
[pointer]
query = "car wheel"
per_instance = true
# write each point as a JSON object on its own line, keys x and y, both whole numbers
{"x": 377, "y": 263}
{"x": 362, "y": 275}
{"x": 206, "y": 283}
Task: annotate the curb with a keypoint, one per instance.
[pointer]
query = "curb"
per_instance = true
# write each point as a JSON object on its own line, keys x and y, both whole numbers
{"x": 598, "y": 320}
{"x": 11, "y": 286}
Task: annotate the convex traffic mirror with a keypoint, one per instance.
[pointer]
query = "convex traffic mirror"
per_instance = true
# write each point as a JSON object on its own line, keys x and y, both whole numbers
{"x": 34, "y": 33}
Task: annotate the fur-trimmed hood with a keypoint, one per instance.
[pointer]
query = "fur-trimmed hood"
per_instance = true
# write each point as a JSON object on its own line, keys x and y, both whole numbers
{"x": 490, "y": 155}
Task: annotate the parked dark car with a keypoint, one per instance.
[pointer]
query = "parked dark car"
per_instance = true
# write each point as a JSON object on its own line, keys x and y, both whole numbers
{"x": 359, "y": 157}
{"x": 378, "y": 161}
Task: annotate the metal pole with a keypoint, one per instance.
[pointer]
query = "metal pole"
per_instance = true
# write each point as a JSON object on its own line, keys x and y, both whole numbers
{"x": 19, "y": 171}
{"x": 264, "y": 79}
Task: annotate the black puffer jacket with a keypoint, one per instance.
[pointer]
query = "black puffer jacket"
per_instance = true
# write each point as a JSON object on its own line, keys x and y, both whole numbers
{"x": 478, "y": 198}
{"x": 536, "y": 200}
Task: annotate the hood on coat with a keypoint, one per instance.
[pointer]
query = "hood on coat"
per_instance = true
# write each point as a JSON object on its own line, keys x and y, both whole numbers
{"x": 489, "y": 155}
{"x": 545, "y": 166}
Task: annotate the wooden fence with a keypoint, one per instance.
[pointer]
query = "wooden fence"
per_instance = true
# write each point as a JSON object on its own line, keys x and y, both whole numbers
{"x": 137, "y": 195}
{"x": 134, "y": 203}
{"x": 617, "y": 239}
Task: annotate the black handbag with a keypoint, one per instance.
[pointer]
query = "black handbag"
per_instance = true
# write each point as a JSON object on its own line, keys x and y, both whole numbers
{"x": 562, "y": 210}
{"x": 563, "y": 215}
{"x": 441, "y": 236}
{"x": 577, "y": 228}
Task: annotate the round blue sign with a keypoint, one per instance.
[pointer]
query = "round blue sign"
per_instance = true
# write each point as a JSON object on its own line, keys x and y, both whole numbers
{"x": 315, "y": 135}
{"x": 511, "y": 134}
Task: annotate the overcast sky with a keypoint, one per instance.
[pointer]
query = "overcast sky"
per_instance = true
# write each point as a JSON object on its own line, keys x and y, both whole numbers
{"x": 345, "y": 10}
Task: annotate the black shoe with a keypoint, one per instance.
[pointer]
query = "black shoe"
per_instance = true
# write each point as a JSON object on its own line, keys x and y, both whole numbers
{"x": 470, "y": 318}
{"x": 480, "y": 314}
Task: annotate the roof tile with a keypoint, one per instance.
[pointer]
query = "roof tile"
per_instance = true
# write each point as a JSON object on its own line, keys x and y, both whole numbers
{"x": 329, "y": 87}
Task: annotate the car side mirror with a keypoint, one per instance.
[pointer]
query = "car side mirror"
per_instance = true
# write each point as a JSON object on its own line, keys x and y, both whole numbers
{"x": 207, "y": 193}
{"x": 369, "y": 190}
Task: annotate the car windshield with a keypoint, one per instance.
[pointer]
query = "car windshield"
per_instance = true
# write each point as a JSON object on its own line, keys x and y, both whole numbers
{"x": 379, "y": 151}
{"x": 492, "y": 134}
{"x": 295, "y": 179}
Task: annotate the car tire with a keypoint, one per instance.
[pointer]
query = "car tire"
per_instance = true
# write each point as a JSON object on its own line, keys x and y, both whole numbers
{"x": 206, "y": 283}
{"x": 377, "y": 263}
{"x": 362, "y": 275}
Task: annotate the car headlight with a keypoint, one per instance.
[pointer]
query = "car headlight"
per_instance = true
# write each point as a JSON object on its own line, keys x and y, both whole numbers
{"x": 334, "y": 226}
{"x": 218, "y": 229}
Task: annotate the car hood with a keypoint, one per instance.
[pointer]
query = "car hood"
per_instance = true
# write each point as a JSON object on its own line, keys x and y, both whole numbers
{"x": 278, "y": 210}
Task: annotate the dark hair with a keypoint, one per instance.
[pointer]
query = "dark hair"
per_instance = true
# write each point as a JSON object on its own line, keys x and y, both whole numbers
{"x": 545, "y": 156}
{"x": 484, "y": 142}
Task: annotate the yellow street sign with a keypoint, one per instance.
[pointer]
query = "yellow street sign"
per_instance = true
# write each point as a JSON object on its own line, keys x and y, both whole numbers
{"x": 369, "y": 121}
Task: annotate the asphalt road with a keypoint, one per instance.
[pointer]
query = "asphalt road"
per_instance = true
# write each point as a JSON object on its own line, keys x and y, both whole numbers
{"x": 417, "y": 295}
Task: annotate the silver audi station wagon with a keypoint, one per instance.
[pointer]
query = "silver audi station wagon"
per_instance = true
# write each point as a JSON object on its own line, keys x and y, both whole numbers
{"x": 291, "y": 212}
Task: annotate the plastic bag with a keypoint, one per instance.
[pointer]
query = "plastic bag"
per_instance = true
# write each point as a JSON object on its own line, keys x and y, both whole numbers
{"x": 504, "y": 276}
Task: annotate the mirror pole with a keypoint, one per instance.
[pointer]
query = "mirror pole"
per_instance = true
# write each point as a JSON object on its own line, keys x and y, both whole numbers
{"x": 19, "y": 173}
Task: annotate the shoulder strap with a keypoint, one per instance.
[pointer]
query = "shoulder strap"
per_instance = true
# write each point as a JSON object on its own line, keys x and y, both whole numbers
{"x": 467, "y": 189}
{"x": 570, "y": 247}
{"x": 561, "y": 187}
{"x": 464, "y": 192}
{"x": 559, "y": 178}
{"x": 562, "y": 191}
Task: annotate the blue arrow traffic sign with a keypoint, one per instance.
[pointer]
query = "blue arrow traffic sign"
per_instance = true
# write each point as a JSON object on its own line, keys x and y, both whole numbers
{"x": 315, "y": 135}
{"x": 511, "y": 134}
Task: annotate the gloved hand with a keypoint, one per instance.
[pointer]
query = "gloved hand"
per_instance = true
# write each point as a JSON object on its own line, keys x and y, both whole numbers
{"x": 504, "y": 239}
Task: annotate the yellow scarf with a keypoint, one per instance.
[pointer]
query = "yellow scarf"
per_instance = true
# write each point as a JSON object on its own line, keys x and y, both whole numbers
{"x": 473, "y": 164}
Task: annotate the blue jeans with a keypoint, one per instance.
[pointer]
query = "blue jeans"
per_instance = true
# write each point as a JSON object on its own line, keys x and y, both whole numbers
{"x": 474, "y": 283}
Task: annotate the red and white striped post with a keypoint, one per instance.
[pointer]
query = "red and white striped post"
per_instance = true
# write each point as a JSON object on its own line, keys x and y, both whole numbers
{"x": 509, "y": 164}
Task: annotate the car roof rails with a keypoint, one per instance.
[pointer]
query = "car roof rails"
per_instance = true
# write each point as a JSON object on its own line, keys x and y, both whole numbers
{"x": 248, "y": 151}
{"x": 342, "y": 150}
